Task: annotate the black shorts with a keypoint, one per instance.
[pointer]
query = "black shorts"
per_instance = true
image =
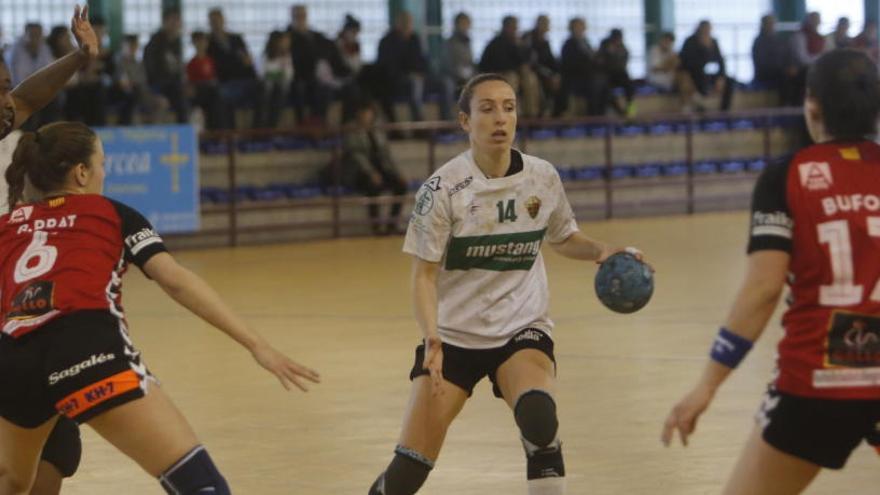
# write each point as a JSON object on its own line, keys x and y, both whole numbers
{"x": 78, "y": 365}
{"x": 63, "y": 448}
{"x": 466, "y": 367}
{"x": 821, "y": 431}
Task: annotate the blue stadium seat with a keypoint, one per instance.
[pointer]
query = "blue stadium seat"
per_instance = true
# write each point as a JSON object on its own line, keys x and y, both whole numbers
{"x": 705, "y": 168}
{"x": 662, "y": 128}
{"x": 647, "y": 170}
{"x": 674, "y": 169}
{"x": 291, "y": 143}
{"x": 574, "y": 132}
{"x": 540, "y": 134}
{"x": 732, "y": 166}
{"x": 714, "y": 126}
{"x": 756, "y": 165}
{"x": 622, "y": 171}
{"x": 629, "y": 130}
{"x": 588, "y": 173}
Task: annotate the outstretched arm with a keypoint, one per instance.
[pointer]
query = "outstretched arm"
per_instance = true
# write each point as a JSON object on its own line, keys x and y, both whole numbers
{"x": 40, "y": 88}
{"x": 752, "y": 308}
{"x": 193, "y": 293}
{"x": 580, "y": 247}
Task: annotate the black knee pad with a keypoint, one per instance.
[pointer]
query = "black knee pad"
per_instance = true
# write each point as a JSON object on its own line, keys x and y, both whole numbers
{"x": 405, "y": 475}
{"x": 193, "y": 474}
{"x": 535, "y": 413}
{"x": 63, "y": 448}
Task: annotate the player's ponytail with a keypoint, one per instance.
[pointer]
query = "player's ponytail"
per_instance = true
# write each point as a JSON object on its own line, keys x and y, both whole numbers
{"x": 45, "y": 157}
{"x": 24, "y": 154}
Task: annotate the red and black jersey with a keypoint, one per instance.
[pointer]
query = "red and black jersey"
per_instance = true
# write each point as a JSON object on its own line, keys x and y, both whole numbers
{"x": 68, "y": 254}
{"x": 823, "y": 207}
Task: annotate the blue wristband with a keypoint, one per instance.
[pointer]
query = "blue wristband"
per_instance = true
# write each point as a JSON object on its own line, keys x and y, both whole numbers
{"x": 729, "y": 348}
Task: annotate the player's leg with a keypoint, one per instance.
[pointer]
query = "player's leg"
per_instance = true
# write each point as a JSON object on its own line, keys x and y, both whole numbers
{"x": 20, "y": 454}
{"x": 764, "y": 470}
{"x": 526, "y": 381}
{"x": 59, "y": 459}
{"x": 425, "y": 423}
{"x": 153, "y": 433}
{"x": 48, "y": 480}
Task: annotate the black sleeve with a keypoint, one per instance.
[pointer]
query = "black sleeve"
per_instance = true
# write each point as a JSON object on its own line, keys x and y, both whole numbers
{"x": 772, "y": 223}
{"x": 141, "y": 241}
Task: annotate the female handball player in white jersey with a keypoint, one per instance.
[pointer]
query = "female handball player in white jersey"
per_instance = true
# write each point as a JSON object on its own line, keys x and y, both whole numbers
{"x": 65, "y": 348}
{"x": 480, "y": 291}
{"x": 815, "y": 225}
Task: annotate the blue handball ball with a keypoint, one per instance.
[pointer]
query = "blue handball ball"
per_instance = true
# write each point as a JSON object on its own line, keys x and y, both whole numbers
{"x": 624, "y": 284}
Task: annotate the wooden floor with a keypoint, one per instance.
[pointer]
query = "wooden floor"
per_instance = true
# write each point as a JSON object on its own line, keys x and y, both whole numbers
{"x": 343, "y": 308}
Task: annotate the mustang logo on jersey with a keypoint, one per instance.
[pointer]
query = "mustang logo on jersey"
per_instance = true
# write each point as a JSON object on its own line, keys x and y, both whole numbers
{"x": 500, "y": 252}
{"x": 34, "y": 300}
{"x": 533, "y": 206}
{"x": 141, "y": 239}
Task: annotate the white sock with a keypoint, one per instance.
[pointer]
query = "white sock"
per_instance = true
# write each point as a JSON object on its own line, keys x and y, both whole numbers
{"x": 547, "y": 486}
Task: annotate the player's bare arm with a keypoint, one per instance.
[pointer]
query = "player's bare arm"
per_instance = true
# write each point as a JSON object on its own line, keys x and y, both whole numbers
{"x": 424, "y": 286}
{"x": 40, "y": 88}
{"x": 193, "y": 293}
{"x": 752, "y": 308}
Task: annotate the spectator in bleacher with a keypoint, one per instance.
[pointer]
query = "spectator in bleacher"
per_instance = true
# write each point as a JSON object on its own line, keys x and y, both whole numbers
{"x": 805, "y": 46}
{"x": 457, "y": 64}
{"x": 277, "y": 74}
{"x": 402, "y": 64}
{"x": 867, "y": 41}
{"x": 239, "y": 86}
{"x": 542, "y": 61}
{"x": 131, "y": 90}
{"x": 163, "y": 61}
{"x": 839, "y": 38}
{"x": 29, "y": 54}
{"x": 201, "y": 73}
{"x": 349, "y": 45}
{"x": 581, "y": 71}
{"x": 506, "y": 55}
{"x": 702, "y": 59}
{"x": 664, "y": 72}
{"x": 768, "y": 54}
{"x": 87, "y": 95}
{"x": 367, "y": 166}
{"x": 615, "y": 57}
{"x": 305, "y": 46}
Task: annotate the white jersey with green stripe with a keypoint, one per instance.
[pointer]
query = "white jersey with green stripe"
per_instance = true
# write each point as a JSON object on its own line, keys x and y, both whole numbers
{"x": 486, "y": 234}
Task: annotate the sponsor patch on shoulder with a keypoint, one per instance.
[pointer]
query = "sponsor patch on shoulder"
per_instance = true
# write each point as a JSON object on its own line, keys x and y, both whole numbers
{"x": 815, "y": 176}
{"x": 461, "y": 186}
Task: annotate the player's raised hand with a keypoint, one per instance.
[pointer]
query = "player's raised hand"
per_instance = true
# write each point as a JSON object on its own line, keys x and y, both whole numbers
{"x": 287, "y": 371}
{"x": 83, "y": 32}
{"x": 685, "y": 414}
{"x": 434, "y": 363}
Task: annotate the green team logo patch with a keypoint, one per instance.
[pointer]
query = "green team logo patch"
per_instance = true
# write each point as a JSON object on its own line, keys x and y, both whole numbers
{"x": 500, "y": 252}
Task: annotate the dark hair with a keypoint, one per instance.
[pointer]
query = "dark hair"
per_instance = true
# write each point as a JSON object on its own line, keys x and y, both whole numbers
{"x": 170, "y": 12}
{"x": 846, "y": 85}
{"x": 56, "y": 35}
{"x": 467, "y": 92}
{"x": 615, "y": 33}
{"x": 45, "y": 157}
{"x": 667, "y": 35}
{"x": 33, "y": 25}
{"x": 351, "y": 23}
{"x": 508, "y": 21}
{"x": 131, "y": 39}
{"x": 197, "y": 36}
{"x": 98, "y": 20}
{"x": 575, "y": 20}
{"x": 271, "y": 49}
{"x": 460, "y": 17}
